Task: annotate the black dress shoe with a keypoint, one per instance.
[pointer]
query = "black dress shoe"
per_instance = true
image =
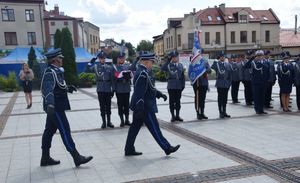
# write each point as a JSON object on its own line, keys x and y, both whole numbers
{"x": 269, "y": 107}
{"x": 264, "y": 112}
{"x": 199, "y": 117}
{"x": 49, "y": 161}
{"x": 133, "y": 153}
{"x": 173, "y": 119}
{"x": 127, "y": 123}
{"x": 203, "y": 116}
{"x": 79, "y": 159}
{"x": 172, "y": 149}
{"x": 178, "y": 118}
{"x": 226, "y": 115}
{"x": 222, "y": 115}
{"x": 110, "y": 125}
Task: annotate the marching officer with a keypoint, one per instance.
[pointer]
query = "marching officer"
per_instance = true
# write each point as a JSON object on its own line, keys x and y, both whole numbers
{"x": 55, "y": 103}
{"x": 271, "y": 80}
{"x": 105, "y": 81}
{"x": 246, "y": 78}
{"x": 123, "y": 77}
{"x": 200, "y": 89}
{"x": 285, "y": 71}
{"x": 176, "y": 83}
{"x": 235, "y": 84}
{"x": 297, "y": 80}
{"x": 143, "y": 104}
{"x": 223, "y": 83}
{"x": 259, "y": 78}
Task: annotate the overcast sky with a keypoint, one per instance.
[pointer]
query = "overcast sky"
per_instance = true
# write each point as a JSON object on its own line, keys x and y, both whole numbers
{"x": 134, "y": 20}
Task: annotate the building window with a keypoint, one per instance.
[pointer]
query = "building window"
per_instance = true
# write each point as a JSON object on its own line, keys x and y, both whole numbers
{"x": 190, "y": 40}
{"x": 207, "y": 40}
{"x": 232, "y": 36}
{"x": 243, "y": 36}
{"x": 8, "y": 15}
{"x": 171, "y": 41}
{"x": 178, "y": 40}
{"x": 52, "y": 23}
{"x": 31, "y": 38}
{"x": 219, "y": 18}
{"x": 51, "y": 39}
{"x": 91, "y": 39}
{"x": 29, "y": 15}
{"x": 209, "y": 18}
{"x": 10, "y": 38}
{"x": 253, "y": 36}
{"x": 243, "y": 19}
{"x": 218, "y": 38}
{"x": 267, "y": 36}
{"x": 66, "y": 23}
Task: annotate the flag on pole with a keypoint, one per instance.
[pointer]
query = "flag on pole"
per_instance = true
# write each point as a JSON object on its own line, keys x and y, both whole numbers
{"x": 196, "y": 67}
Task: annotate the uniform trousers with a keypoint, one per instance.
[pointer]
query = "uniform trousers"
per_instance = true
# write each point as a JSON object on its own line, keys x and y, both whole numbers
{"x": 222, "y": 98}
{"x": 248, "y": 92}
{"x": 174, "y": 98}
{"x": 235, "y": 90}
{"x": 123, "y": 103}
{"x": 200, "y": 99}
{"x": 60, "y": 122}
{"x": 104, "y": 99}
{"x": 259, "y": 92}
{"x": 149, "y": 118}
{"x": 268, "y": 96}
{"x": 298, "y": 96}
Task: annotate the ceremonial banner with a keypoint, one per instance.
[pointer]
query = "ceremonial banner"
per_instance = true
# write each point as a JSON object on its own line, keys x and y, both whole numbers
{"x": 196, "y": 67}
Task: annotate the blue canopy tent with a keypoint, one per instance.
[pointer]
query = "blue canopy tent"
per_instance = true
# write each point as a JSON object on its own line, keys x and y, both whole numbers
{"x": 18, "y": 56}
{"x": 13, "y": 62}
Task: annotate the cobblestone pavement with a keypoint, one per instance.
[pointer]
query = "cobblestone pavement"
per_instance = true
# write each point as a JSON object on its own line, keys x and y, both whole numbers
{"x": 244, "y": 148}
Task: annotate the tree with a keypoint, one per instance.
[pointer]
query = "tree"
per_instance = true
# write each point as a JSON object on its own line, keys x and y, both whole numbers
{"x": 31, "y": 57}
{"x": 145, "y": 45}
{"x": 57, "y": 39}
{"x": 34, "y": 65}
{"x": 69, "y": 61}
{"x": 131, "y": 52}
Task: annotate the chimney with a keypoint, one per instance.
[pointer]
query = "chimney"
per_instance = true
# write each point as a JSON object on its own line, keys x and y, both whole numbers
{"x": 222, "y": 7}
{"x": 296, "y": 24}
{"x": 56, "y": 9}
{"x": 194, "y": 10}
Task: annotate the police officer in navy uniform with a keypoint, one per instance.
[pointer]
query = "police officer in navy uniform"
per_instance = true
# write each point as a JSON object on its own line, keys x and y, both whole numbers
{"x": 271, "y": 80}
{"x": 259, "y": 78}
{"x": 143, "y": 104}
{"x": 235, "y": 84}
{"x": 223, "y": 83}
{"x": 123, "y": 86}
{"x": 176, "y": 83}
{"x": 246, "y": 78}
{"x": 55, "y": 103}
{"x": 105, "y": 81}
{"x": 286, "y": 76}
{"x": 297, "y": 80}
{"x": 200, "y": 89}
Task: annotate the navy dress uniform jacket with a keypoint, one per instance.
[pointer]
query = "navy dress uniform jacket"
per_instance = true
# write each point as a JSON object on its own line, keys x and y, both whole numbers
{"x": 175, "y": 71}
{"x": 260, "y": 71}
{"x": 123, "y": 84}
{"x": 145, "y": 93}
{"x": 223, "y": 74}
{"x": 54, "y": 89}
{"x": 104, "y": 77}
{"x": 285, "y": 77}
{"x": 297, "y": 73}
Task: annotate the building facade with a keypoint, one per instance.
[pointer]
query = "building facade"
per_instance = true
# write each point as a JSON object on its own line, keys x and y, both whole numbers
{"x": 92, "y": 35}
{"x": 158, "y": 45}
{"x": 21, "y": 23}
{"x": 231, "y": 29}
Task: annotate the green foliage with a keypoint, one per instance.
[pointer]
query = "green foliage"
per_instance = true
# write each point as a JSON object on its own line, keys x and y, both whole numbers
{"x": 158, "y": 74}
{"x": 131, "y": 51}
{"x": 31, "y": 57}
{"x": 145, "y": 45}
{"x": 9, "y": 84}
{"x": 57, "y": 39}
{"x": 86, "y": 79}
{"x": 114, "y": 56}
{"x": 69, "y": 62}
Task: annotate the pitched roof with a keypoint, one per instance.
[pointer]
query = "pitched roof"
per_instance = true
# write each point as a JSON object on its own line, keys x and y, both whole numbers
{"x": 209, "y": 16}
{"x": 288, "y": 38}
{"x": 50, "y": 15}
